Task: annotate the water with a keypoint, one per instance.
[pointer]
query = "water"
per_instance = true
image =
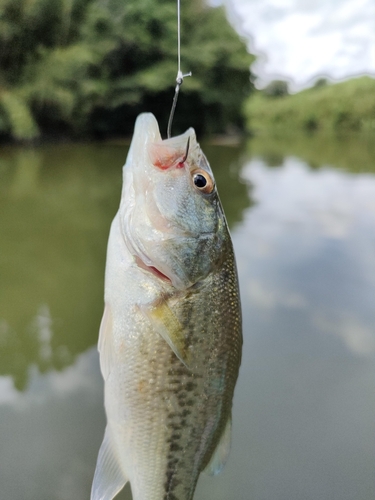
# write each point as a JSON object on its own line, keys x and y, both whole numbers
{"x": 302, "y": 215}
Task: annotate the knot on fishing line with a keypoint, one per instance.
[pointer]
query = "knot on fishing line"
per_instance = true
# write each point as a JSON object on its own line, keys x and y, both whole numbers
{"x": 180, "y": 78}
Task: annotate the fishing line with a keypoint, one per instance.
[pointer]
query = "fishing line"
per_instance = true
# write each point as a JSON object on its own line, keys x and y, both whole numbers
{"x": 180, "y": 76}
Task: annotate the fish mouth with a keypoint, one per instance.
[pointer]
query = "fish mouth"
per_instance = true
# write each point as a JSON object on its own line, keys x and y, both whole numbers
{"x": 152, "y": 269}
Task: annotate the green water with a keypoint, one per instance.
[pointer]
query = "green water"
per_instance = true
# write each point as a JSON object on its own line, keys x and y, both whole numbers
{"x": 302, "y": 215}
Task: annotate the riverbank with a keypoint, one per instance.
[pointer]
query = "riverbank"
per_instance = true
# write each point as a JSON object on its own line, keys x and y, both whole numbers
{"x": 341, "y": 108}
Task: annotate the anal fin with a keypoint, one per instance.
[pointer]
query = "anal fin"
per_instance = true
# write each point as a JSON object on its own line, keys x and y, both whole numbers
{"x": 221, "y": 453}
{"x": 109, "y": 479}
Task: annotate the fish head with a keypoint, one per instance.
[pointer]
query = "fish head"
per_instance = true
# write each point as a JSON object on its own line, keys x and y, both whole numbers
{"x": 170, "y": 211}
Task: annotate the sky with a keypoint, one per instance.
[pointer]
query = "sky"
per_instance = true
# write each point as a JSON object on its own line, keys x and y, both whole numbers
{"x": 301, "y": 40}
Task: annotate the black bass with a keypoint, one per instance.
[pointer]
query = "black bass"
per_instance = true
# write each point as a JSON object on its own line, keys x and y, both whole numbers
{"x": 170, "y": 339}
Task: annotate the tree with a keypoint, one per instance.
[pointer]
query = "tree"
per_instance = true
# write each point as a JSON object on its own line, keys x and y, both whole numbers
{"x": 89, "y": 67}
{"x": 320, "y": 82}
{"x": 277, "y": 88}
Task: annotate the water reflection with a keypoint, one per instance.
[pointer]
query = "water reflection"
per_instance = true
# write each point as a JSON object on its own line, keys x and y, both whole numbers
{"x": 55, "y": 213}
{"x": 50, "y": 432}
{"x": 350, "y": 153}
{"x": 312, "y": 235}
{"x": 56, "y": 206}
{"x": 303, "y": 224}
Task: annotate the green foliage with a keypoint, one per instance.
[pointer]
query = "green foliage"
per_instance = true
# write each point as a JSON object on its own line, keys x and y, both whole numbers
{"x": 320, "y": 82}
{"x": 89, "y": 67}
{"x": 19, "y": 117}
{"x": 277, "y": 88}
{"x": 341, "y": 108}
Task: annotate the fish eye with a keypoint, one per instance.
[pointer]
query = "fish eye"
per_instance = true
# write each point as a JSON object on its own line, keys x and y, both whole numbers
{"x": 200, "y": 181}
{"x": 203, "y": 181}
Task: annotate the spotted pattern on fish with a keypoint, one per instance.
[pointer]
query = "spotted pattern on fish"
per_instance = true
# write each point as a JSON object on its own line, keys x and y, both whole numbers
{"x": 191, "y": 420}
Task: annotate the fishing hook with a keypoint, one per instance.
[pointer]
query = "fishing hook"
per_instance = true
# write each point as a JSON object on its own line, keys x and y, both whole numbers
{"x": 187, "y": 151}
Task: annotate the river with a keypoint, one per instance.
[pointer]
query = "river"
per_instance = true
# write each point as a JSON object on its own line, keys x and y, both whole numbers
{"x": 302, "y": 217}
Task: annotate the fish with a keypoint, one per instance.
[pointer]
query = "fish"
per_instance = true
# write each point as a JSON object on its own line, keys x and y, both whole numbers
{"x": 170, "y": 339}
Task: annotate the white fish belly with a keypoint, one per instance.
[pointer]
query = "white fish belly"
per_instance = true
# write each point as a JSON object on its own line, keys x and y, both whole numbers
{"x": 137, "y": 405}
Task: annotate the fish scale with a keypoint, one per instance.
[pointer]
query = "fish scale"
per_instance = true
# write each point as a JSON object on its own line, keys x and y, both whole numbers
{"x": 170, "y": 339}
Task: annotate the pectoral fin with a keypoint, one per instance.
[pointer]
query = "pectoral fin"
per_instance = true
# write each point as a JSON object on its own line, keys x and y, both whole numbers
{"x": 105, "y": 347}
{"x": 168, "y": 326}
{"x": 109, "y": 479}
{"x": 221, "y": 453}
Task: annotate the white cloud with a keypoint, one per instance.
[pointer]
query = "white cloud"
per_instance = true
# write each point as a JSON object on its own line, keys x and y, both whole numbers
{"x": 300, "y": 40}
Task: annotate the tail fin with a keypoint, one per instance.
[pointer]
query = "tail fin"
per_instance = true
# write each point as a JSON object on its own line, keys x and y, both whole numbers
{"x": 109, "y": 479}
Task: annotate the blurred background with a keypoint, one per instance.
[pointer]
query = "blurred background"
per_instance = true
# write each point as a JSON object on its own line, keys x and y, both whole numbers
{"x": 283, "y": 101}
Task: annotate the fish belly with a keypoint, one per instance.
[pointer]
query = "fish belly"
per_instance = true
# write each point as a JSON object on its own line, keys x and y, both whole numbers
{"x": 157, "y": 418}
